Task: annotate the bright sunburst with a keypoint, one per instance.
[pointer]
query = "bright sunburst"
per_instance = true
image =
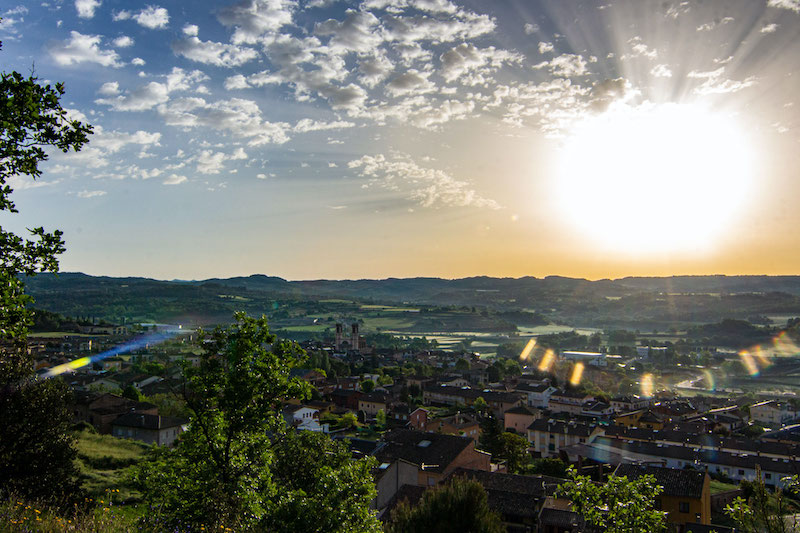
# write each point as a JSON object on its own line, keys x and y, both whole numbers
{"x": 666, "y": 177}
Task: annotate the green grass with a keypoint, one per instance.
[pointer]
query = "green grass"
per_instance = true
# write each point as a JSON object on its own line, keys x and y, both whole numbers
{"x": 309, "y": 327}
{"x": 57, "y": 334}
{"x": 104, "y": 460}
{"x": 387, "y": 322}
{"x": 721, "y": 486}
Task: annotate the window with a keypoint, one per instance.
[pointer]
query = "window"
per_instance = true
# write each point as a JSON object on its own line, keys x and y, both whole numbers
{"x": 683, "y": 507}
{"x": 741, "y": 472}
{"x": 767, "y": 476}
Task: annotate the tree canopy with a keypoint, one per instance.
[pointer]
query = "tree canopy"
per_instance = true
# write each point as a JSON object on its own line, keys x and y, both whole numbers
{"x": 617, "y": 506}
{"x": 238, "y": 465}
{"x": 455, "y": 507}
{"x": 36, "y": 453}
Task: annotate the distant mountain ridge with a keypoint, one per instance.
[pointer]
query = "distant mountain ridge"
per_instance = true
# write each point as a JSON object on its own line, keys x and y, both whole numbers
{"x": 694, "y": 299}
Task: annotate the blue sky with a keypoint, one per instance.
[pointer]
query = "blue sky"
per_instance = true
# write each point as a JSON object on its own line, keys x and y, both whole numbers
{"x": 342, "y": 139}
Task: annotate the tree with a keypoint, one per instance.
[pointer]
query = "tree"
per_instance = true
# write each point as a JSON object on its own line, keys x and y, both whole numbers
{"x": 549, "y": 467}
{"x": 319, "y": 487}
{"x": 462, "y": 364}
{"x": 132, "y": 393}
{"x": 480, "y": 405}
{"x": 491, "y": 431}
{"x": 231, "y": 467}
{"x": 617, "y": 506}
{"x": 457, "y": 506}
{"x": 514, "y": 449}
{"x": 761, "y": 511}
{"x": 380, "y": 418}
{"x": 367, "y": 385}
{"x": 36, "y": 453}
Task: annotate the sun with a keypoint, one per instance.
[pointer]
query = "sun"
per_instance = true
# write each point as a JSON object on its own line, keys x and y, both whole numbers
{"x": 665, "y": 178}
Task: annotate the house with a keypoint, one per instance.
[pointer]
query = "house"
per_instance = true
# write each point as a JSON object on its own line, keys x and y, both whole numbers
{"x": 591, "y": 358}
{"x": 303, "y": 418}
{"x": 537, "y": 394}
{"x": 643, "y": 418}
{"x": 436, "y": 455}
{"x": 458, "y": 424}
{"x": 625, "y": 404}
{"x": 568, "y": 401}
{"x": 152, "y": 429}
{"x": 597, "y": 409}
{"x": 686, "y": 496}
{"x": 772, "y": 413}
{"x": 101, "y": 410}
{"x": 518, "y": 419}
{"x": 499, "y": 402}
{"x": 373, "y": 402}
{"x": 549, "y": 437}
{"x": 347, "y": 399}
{"x": 390, "y": 477}
{"x": 418, "y": 419}
{"x": 517, "y": 499}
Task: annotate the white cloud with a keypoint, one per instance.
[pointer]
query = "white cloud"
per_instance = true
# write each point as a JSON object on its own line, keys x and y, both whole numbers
{"x": 145, "y": 97}
{"x": 121, "y": 15}
{"x": 530, "y": 29}
{"x": 236, "y": 82}
{"x": 192, "y": 30}
{"x": 792, "y": 5}
{"x": 466, "y": 58}
{"x": 374, "y": 68}
{"x": 237, "y": 116}
{"x": 711, "y": 25}
{"x": 154, "y": 93}
{"x": 254, "y": 19}
{"x": 565, "y": 66}
{"x": 138, "y": 61}
{"x": 545, "y": 47}
{"x": 175, "y": 179}
{"x": 213, "y": 53}
{"x": 91, "y": 194}
{"x": 661, "y": 71}
{"x": 110, "y": 88}
{"x": 769, "y": 28}
{"x": 359, "y": 32}
{"x": 123, "y": 41}
{"x": 305, "y": 125}
{"x": 425, "y": 186}
{"x": 409, "y": 82}
{"x": 86, "y": 8}
{"x": 716, "y": 83}
{"x": 82, "y": 48}
{"x": 152, "y": 17}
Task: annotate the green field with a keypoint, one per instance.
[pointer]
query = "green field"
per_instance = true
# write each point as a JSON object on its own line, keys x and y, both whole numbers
{"x": 103, "y": 461}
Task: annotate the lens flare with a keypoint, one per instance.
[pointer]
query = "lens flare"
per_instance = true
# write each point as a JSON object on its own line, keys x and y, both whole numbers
{"x": 526, "y": 352}
{"x": 547, "y": 361}
{"x": 749, "y": 363}
{"x": 647, "y": 385}
{"x": 577, "y": 373}
{"x": 784, "y": 346}
{"x": 711, "y": 383}
{"x": 134, "y": 344}
{"x": 761, "y": 357}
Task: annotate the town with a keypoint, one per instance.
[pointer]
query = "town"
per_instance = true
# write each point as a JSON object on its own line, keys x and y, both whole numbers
{"x": 513, "y": 424}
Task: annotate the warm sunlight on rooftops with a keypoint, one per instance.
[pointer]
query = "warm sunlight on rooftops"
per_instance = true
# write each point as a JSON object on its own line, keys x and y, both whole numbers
{"x": 666, "y": 177}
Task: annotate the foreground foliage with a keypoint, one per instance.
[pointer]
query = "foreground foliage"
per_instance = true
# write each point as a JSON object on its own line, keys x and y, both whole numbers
{"x": 238, "y": 466}
{"x": 458, "y": 506}
{"x": 762, "y": 511}
{"x": 619, "y": 505}
{"x": 36, "y": 453}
